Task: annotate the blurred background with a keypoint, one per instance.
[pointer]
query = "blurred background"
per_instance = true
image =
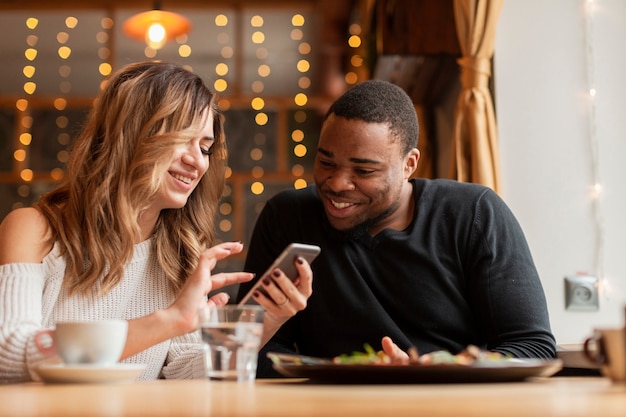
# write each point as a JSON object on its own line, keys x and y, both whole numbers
{"x": 276, "y": 65}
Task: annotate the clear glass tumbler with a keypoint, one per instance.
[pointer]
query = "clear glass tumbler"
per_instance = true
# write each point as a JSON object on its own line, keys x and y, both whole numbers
{"x": 231, "y": 335}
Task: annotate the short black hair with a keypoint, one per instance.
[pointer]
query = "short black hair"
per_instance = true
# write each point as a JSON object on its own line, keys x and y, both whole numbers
{"x": 377, "y": 101}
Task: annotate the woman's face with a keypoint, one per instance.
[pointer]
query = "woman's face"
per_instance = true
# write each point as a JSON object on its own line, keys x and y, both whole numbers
{"x": 189, "y": 163}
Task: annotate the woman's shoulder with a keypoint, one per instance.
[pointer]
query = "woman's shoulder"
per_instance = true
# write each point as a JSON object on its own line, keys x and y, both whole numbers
{"x": 24, "y": 236}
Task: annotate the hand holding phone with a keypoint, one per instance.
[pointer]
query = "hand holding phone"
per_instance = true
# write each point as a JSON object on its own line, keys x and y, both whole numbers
{"x": 284, "y": 262}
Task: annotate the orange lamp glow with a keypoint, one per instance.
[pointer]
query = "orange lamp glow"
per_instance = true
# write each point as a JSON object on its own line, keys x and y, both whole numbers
{"x": 156, "y": 27}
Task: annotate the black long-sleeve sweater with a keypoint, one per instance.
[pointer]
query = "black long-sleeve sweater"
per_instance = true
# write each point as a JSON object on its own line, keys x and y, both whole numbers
{"x": 461, "y": 273}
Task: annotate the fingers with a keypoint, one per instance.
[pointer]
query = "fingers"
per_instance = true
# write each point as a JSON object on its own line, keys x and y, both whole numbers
{"x": 282, "y": 290}
{"x": 223, "y": 250}
{"x": 225, "y": 279}
{"x": 218, "y": 300}
{"x": 392, "y": 350}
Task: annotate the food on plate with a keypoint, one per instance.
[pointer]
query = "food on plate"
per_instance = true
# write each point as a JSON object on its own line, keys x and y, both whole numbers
{"x": 469, "y": 356}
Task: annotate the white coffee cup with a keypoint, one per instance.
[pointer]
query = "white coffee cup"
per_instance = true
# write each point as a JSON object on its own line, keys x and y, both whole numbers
{"x": 85, "y": 342}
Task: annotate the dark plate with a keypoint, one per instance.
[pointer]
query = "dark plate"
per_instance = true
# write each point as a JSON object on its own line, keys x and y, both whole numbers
{"x": 513, "y": 370}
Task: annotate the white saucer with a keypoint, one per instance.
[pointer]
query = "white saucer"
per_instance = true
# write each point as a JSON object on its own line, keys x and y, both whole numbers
{"x": 60, "y": 373}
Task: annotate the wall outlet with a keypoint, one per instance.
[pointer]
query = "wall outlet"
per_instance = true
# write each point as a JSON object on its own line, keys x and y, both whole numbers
{"x": 581, "y": 293}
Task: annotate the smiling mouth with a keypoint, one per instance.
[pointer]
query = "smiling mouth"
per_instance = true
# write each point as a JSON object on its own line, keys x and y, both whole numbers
{"x": 186, "y": 180}
{"x": 339, "y": 205}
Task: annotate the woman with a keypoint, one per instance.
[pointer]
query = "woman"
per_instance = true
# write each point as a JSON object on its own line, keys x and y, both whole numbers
{"x": 128, "y": 234}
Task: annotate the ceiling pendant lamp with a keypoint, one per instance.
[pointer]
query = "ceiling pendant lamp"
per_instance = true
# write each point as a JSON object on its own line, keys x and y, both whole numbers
{"x": 156, "y": 26}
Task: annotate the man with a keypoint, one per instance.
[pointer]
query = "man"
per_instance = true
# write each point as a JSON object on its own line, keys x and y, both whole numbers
{"x": 433, "y": 264}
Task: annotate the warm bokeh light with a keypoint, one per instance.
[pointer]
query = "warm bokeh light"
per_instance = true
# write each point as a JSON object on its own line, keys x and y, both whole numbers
{"x": 354, "y": 41}
{"x": 220, "y": 85}
{"x": 19, "y": 155}
{"x": 71, "y": 22}
{"x": 300, "y": 99}
{"x": 304, "y": 48}
{"x": 257, "y": 103}
{"x": 63, "y": 156}
{"x": 105, "y": 69}
{"x": 300, "y": 183}
{"x": 354, "y": 29}
{"x": 297, "y": 20}
{"x": 221, "y": 20}
{"x": 226, "y": 209}
{"x": 257, "y": 188}
{"x": 60, "y": 103}
{"x": 26, "y": 175}
{"x": 351, "y": 77}
{"x": 57, "y": 174}
{"x": 32, "y": 22}
{"x": 21, "y": 104}
{"x": 62, "y": 122}
{"x": 184, "y": 51}
{"x": 30, "y": 87}
{"x": 257, "y": 172}
{"x": 27, "y": 122}
{"x": 227, "y": 52}
{"x": 258, "y": 87}
{"x": 106, "y": 23}
{"x": 299, "y": 150}
{"x": 258, "y": 37}
{"x": 102, "y": 37}
{"x": 304, "y": 82}
{"x": 356, "y": 61}
{"x": 296, "y": 34}
{"x": 30, "y": 54}
{"x": 63, "y": 138}
{"x": 256, "y": 154}
{"x": 29, "y": 71}
{"x": 297, "y": 135}
{"x": 62, "y": 37}
{"x": 303, "y": 65}
{"x": 261, "y": 119}
{"x": 221, "y": 69}
{"x": 31, "y": 40}
{"x": 297, "y": 170}
{"x": 26, "y": 138}
{"x": 256, "y": 21}
{"x": 64, "y": 52}
{"x": 225, "y": 225}
{"x": 264, "y": 70}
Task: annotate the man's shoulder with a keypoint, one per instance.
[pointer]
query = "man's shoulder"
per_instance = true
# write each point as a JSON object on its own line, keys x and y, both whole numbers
{"x": 450, "y": 189}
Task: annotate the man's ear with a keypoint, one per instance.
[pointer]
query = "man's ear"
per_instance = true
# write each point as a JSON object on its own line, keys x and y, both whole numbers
{"x": 410, "y": 162}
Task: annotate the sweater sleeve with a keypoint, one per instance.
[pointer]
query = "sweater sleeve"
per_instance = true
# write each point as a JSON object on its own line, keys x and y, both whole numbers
{"x": 21, "y": 291}
{"x": 185, "y": 359}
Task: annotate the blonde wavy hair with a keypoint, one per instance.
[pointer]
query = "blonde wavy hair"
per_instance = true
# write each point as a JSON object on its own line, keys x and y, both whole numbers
{"x": 145, "y": 110}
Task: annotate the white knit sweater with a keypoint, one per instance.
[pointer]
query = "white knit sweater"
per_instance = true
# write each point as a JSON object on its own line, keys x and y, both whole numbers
{"x": 32, "y": 298}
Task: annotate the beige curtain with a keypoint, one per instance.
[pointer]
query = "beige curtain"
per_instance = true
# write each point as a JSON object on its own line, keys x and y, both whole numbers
{"x": 475, "y": 142}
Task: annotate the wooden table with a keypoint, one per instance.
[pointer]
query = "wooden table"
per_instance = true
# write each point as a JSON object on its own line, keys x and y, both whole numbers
{"x": 557, "y": 396}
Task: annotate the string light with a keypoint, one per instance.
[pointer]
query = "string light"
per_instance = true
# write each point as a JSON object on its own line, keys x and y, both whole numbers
{"x": 594, "y": 145}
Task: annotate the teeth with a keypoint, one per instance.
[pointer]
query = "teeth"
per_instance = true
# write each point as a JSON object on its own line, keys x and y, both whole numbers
{"x": 186, "y": 180}
{"x": 340, "y": 205}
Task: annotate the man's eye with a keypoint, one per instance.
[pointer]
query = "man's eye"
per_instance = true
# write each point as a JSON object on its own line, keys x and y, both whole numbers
{"x": 206, "y": 151}
{"x": 364, "y": 171}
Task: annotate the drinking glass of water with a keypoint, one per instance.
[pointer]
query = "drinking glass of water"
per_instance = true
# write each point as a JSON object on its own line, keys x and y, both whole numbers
{"x": 231, "y": 335}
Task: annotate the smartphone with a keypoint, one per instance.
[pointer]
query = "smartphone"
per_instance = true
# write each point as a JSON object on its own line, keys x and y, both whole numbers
{"x": 285, "y": 262}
